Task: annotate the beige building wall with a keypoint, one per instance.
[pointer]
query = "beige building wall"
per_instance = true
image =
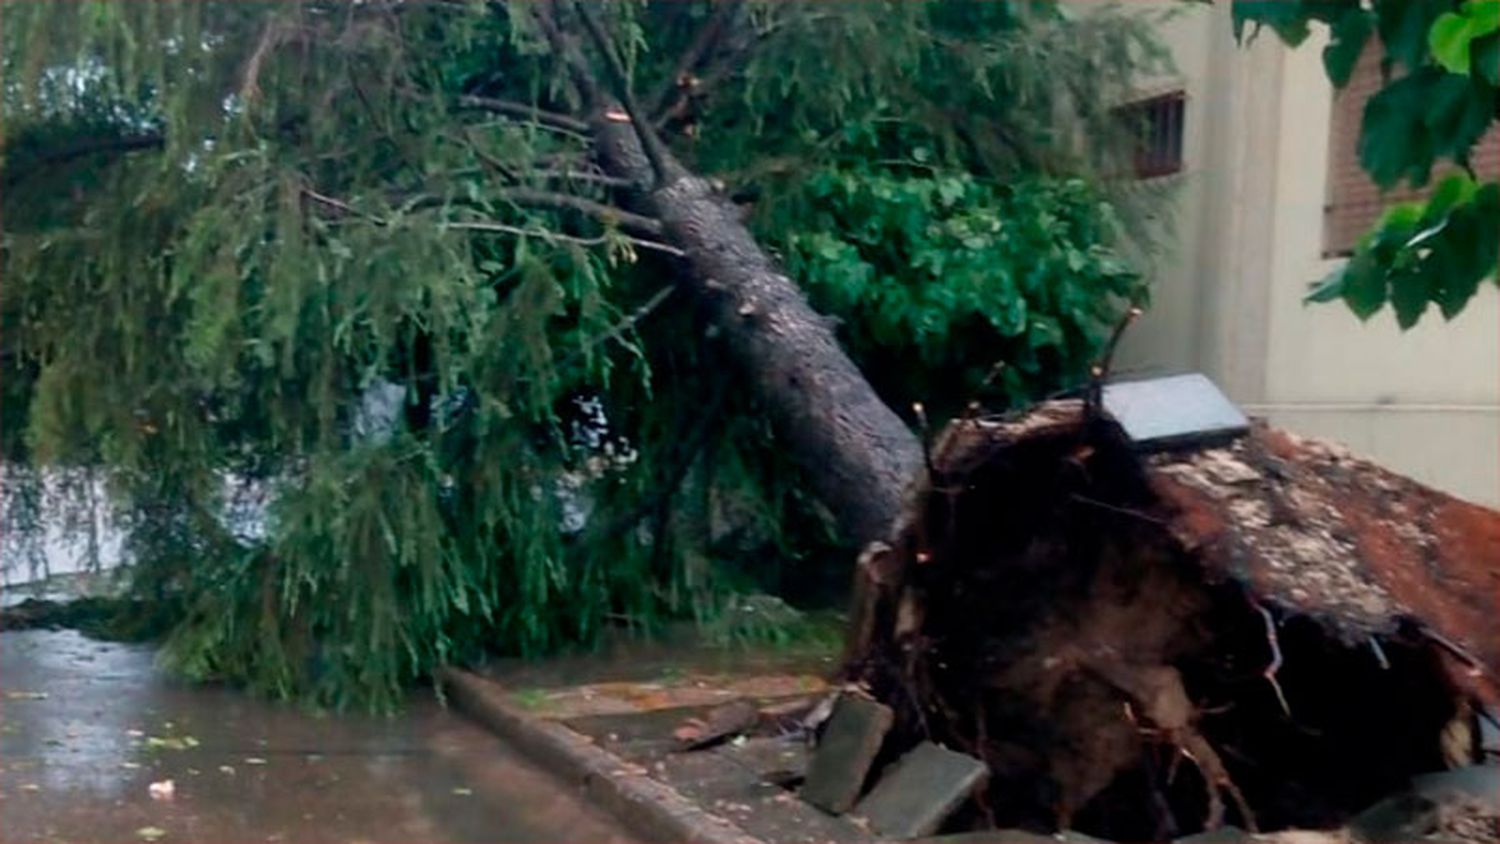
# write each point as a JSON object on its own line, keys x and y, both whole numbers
{"x": 1228, "y": 297}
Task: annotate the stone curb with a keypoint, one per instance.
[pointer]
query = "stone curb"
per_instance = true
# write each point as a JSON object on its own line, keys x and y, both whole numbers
{"x": 651, "y": 809}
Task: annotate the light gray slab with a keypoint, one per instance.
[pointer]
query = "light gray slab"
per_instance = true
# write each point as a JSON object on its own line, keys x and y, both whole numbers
{"x": 1173, "y": 411}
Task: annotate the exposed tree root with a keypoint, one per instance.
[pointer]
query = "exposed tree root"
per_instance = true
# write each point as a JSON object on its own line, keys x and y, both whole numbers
{"x": 1163, "y": 700}
{"x": 1036, "y": 610}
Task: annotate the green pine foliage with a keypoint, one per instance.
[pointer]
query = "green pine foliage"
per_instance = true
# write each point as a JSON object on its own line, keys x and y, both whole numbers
{"x": 229, "y": 224}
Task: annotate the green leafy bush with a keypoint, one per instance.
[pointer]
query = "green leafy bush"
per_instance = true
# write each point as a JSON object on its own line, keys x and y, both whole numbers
{"x": 938, "y": 276}
{"x": 228, "y": 222}
{"x": 1442, "y": 65}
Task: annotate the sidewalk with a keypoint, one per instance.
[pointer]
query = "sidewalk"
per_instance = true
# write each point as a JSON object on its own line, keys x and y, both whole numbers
{"x": 98, "y": 745}
{"x": 607, "y": 725}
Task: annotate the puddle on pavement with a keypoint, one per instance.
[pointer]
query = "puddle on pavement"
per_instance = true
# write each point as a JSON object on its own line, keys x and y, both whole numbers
{"x": 86, "y": 727}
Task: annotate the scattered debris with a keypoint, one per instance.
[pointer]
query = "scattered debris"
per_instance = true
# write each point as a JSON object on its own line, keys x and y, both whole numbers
{"x": 1466, "y": 819}
{"x": 849, "y": 745}
{"x": 25, "y": 695}
{"x": 254, "y": 760}
{"x": 150, "y": 833}
{"x": 463, "y": 792}
{"x": 171, "y": 742}
{"x": 719, "y": 724}
{"x": 1461, "y": 805}
{"x": 787, "y": 716}
{"x": 921, "y": 791}
{"x": 163, "y": 790}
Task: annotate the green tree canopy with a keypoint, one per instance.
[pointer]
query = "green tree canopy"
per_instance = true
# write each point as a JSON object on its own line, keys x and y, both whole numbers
{"x": 1442, "y": 66}
{"x": 231, "y": 227}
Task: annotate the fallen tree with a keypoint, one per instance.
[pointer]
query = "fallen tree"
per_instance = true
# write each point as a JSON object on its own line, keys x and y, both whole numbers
{"x": 859, "y": 453}
{"x": 1270, "y": 632}
{"x": 370, "y": 259}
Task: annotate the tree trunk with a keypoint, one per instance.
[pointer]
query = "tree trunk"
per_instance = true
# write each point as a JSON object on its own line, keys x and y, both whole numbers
{"x": 857, "y": 452}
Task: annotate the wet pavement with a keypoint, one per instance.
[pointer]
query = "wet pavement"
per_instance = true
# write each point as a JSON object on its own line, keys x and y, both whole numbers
{"x": 87, "y": 728}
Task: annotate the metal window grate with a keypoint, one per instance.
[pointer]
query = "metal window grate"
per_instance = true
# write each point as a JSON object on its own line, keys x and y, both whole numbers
{"x": 1157, "y": 124}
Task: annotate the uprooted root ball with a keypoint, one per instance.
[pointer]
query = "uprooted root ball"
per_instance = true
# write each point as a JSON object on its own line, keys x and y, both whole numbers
{"x": 1035, "y": 611}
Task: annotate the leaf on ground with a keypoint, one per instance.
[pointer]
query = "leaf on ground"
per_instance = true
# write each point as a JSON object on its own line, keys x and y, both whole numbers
{"x": 254, "y": 760}
{"x": 26, "y": 695}
{"x": 150, "y": 833}
{"x": 463, "y": 792}
{"x": 171, "y": 742}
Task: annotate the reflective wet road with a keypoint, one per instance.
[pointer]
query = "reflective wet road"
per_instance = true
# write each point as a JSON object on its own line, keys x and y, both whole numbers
{"x": 87, "y": 728}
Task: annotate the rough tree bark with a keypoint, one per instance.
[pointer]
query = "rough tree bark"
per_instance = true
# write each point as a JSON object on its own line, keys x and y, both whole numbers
{"x": 859, "y": 455}
{"x": 857, "y": 452}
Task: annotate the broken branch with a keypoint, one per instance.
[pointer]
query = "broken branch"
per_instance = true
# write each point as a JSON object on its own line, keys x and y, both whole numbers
{"x": 563, "y": 46}
{"x": 488, "y": 226}
{"x": 651, "y": 143}
{"x": 531, "y": 113}
{"x": 602, "y": 211}
{"x": 344, "y": 208}
{"x": 708, "y": 35}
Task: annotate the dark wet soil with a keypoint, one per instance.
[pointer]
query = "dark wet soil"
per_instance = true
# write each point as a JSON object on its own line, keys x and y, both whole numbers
{"x": 87, "y": 727}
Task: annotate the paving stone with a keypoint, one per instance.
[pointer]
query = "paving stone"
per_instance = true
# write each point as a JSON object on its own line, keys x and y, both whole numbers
{"x": 1222, "y": 835}
{"x": 707, "y": 777}
{"x": 921, "y": 790}
{"x": 783, "y": 819}
{"x": 1480, "y": 782}
{"x": 783, "y": 757}
{"x": 730, "y": 785}
{"x": 1398, "y": 819}
{"x": 848, "y": 748}
{"x": 1010, "y": 836}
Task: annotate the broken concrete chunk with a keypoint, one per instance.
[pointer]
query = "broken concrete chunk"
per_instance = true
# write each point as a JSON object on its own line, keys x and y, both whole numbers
{"x": 852, "y": 738}
{"x": 921, "y": 790}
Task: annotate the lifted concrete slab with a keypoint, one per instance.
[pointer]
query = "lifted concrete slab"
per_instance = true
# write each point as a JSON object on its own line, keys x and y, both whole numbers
{"x": 921, "y": 791}
{"x": 850, "y": 742}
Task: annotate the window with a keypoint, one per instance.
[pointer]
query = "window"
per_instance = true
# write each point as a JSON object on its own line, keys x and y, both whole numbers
{"x": 1157, "y": 125}
{"x": 1354, "y": 202}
